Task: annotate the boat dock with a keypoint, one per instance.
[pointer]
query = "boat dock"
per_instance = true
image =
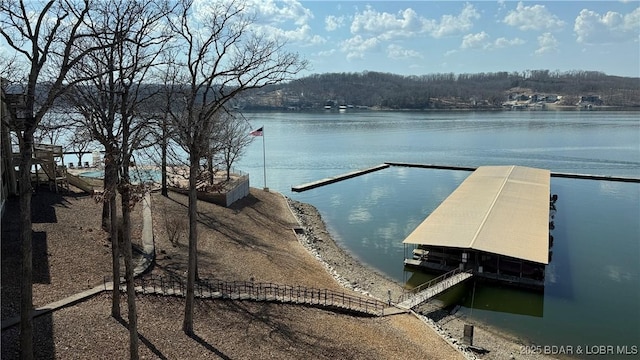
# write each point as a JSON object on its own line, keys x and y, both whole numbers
{"x": 495, "y": 223}
{"x": 334, "y": 179}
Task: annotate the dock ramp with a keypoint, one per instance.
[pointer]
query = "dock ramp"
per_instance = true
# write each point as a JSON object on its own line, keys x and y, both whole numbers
{"x": 426, "y": 291}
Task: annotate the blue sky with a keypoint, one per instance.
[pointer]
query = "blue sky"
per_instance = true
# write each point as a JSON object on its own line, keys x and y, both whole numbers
{"x": 424, "y": 37}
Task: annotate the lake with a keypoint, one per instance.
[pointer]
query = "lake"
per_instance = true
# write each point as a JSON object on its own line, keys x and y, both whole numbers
{"x": 592, "y": 289}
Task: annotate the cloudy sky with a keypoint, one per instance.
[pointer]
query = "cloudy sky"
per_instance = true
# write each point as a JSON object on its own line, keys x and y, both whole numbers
{"x": 423, "y": 37}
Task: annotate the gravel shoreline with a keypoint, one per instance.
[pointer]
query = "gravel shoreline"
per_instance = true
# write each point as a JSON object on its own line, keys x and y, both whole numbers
{"x": 355, "y": 275}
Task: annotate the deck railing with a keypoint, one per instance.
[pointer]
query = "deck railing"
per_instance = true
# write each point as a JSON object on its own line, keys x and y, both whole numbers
{"x": 261, "y": 291}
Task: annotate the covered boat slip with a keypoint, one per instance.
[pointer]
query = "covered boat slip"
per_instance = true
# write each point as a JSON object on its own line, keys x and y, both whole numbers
{"x": 495, "y": 223}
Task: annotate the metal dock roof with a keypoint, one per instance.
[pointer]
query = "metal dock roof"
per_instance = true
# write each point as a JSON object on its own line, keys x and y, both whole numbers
{"x": 498, "y": 209}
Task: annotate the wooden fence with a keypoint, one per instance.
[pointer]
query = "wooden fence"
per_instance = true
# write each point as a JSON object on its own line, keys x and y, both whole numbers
{"x": 259, "y": 291}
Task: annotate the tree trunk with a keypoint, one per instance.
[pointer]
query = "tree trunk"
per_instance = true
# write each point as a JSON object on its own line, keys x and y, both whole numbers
{"x": 110, "y": 180}
{"x": 210, "y": 168}
{"x": 128, "y": 263}
{"x": 109, "y": 184}
{"x": 115, "y": 258}
{"x": 187, "y": 325}
{"x": 105, "y": 215}
{"x": 26, "y": 235}
{"x": 163, "y": 165}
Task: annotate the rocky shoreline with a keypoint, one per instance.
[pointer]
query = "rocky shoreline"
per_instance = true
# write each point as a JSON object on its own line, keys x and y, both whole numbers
{"x": 489, "y": 342}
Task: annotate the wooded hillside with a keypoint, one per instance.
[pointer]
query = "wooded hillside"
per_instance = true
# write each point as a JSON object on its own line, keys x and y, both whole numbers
{"x": 443, "y": 91}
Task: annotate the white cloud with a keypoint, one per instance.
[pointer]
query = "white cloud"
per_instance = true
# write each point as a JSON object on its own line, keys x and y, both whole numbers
{"x": 332, "y": 23}
{"x": 504, "y": 42}
{"x": 357, "y": 46}
{"x": 371, "y": 28}
{"x": 300, "y": 35}
{"x": 386, "y": 25}
{"x": 407, "y": 23}
{"x": 398, "y": 52}
{"x": 268, "y": 11}
{"x": 482, "y": 40}
{"x": 535, "y": 17}
{"x": 475, "y": 41}
{"x": 279, "y": 11}
{"x": 286, "y": 20}
{"x": 327, "y": 53}
{"x": 592, "y": 28}
{"x": 452, "y": 25}
{"x": 547, "y": 43}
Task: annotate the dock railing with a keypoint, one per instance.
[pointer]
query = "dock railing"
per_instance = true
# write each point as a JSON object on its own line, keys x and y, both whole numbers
{"x": 261, "y": 291}
{"x": 409, "y": 293}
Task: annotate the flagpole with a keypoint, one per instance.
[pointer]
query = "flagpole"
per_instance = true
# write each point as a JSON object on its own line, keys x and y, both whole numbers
{"x": 264, "y": 161}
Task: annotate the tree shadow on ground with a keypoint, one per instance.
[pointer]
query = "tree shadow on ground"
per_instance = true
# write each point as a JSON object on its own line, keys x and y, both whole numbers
{"x": 247, "y": 201}
{"x": 209, "y": 347}
{"x": 278, "y": 327}
{"x": 43, "y": 343}
{"x": 242, "y": 238}
{"x": 44, "y": 201}
{"x": 144, "y": 341}
{"x": 40, "y": 256}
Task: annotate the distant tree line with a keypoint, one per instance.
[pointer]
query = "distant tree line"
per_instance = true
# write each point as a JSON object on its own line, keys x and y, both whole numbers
{"x": 442, "y": 90}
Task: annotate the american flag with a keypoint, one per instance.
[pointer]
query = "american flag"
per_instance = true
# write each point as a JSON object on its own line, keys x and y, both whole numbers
{"x": 257, "y": 132}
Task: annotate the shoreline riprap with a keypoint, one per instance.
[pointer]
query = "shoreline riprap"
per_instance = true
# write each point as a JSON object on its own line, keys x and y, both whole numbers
{"x": 353, "y": 274}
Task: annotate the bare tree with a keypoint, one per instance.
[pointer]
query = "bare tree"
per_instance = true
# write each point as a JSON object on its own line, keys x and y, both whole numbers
{"x": 234, "y": 140}
{"x": 40, "y": 34}
{"x": 223, "y": 57}
{"x": 131, "y": 39}
{"x": 51, "y": 129}
{"x": 80, "y": 140}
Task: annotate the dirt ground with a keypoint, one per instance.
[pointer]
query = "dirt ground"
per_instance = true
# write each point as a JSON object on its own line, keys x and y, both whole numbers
{"x": 251, "y": 240}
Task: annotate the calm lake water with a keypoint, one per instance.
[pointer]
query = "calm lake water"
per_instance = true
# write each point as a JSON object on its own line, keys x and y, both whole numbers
{"x": 592, "y": 290}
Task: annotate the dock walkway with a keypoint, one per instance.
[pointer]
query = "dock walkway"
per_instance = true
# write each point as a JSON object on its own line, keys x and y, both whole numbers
{"x": 268, "y": 292}
{"x": 334, "y": 179}
{"x": 449, "y": 280}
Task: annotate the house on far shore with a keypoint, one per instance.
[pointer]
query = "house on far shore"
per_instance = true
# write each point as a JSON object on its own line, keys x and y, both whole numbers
{"x": 590, "y": 101}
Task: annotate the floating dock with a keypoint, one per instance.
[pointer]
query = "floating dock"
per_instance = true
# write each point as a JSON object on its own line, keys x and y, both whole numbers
{"x": 553, "y": 174}
{"x": 431, "y": 166}
{"x": 334, "y": 179}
